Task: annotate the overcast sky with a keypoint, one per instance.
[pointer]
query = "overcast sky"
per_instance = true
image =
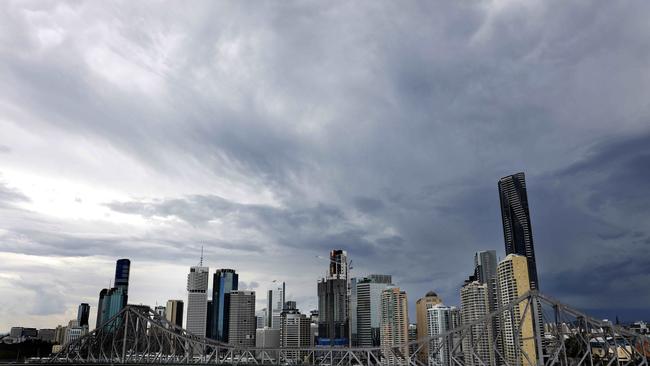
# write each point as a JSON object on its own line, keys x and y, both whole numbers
{"x": 272, "y": 132}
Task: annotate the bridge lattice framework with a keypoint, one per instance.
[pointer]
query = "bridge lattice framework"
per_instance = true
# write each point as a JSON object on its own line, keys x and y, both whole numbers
{"x": 560, "y": 335}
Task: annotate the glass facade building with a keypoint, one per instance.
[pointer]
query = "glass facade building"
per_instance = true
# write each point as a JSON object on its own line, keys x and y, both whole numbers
{"x": 517, "y": 231}
{"x": 224, "y": 281}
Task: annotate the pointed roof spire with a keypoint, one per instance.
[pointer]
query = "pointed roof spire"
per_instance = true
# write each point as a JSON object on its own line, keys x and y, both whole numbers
{"x": 201, "y": 262}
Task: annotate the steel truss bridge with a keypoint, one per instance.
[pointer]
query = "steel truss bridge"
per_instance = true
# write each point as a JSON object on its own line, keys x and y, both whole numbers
{"x": 532, "y": 330}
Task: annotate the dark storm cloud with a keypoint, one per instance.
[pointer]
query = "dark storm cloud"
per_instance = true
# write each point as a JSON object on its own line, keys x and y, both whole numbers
{"x": 381, "y": 128}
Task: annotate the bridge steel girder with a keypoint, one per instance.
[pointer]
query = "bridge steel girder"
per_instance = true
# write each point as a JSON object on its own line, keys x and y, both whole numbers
{"x": 561, "y": 335}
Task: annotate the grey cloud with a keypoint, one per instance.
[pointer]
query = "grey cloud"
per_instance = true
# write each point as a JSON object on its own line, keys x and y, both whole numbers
{"x": 4, "y": 149}
{"x": 381, "y": 128}
{"x": 10, "y": 196}
{"x": 368, "y": 205}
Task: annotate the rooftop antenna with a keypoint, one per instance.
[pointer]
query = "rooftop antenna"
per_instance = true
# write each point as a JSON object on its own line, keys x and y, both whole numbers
{"x": 201, "y": 262}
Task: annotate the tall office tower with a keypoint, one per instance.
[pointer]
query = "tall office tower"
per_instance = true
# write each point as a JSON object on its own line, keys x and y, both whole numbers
{"x": 223, "y": 282}
{"x": 440, "y": 319}
{"x": 295, "y": 330}
{"x": 475, "y": 305}
{"x": 113, "y": 300}
{"x": 197, "y": 300}
{"x": 174, "y": 312}
{"x": 369, "y": 291}
{"x": 100, "y": 308}
{"x": 333, "y": 302}
{"x": 394, "y": 325}
{"x": 352, "y": 312}
{"x": 429, "y": 300}
{"x": 485, "y": 272}
{"x": 333, "y": 311}
{"x": 83, "y": 313}
{"x": 517, "y": 324}
{"x": 260, "y": 318}
{"x": 122, "y": 269}
{"x": 208, "y": 319}
{"x": 275, "y": 304}
{"x": 517, "y": 232}
{"x": 241, "y": 318}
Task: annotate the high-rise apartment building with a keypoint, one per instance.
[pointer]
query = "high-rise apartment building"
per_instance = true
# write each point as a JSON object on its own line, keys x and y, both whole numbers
{"x": 224, "y": 281}
{"x": 423, "y": 304}
{"x": 518, "y": 325}
{"x": 368, "y": 306}
{"x": 174, "y": 312}
{"x": 83, "y": 313}
{"x": 475, "y": 305}
{"x": 241, "y": 318}
{"x": 197, "y": 300}
{"x": 394, "y": 326}
{"x": 440, "y": 319}
{"x": 517, "y": 231}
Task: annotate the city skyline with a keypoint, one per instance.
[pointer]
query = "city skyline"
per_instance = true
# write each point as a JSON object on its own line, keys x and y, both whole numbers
{"x": 271, "y": 136}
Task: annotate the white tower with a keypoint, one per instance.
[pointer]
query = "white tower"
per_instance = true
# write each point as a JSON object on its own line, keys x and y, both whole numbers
{"x": 197, "y": 299}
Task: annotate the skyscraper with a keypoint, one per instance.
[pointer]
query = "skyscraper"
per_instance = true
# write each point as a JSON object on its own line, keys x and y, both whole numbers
{"x": 518, "y": 332}
{"x": 517, "y": 231}
{"x": 275, "y": 304}
{"x": 260, "y": 318}
{"x": 429, "y": 300}
{"x": 174, "y": 312}
{"x": 113, "y": 300}
{"x": 485, "y": 272}
{"x": 333, "y": 311}
{"x": 369, "y": 291}
{"x": 82, "y": 314}
{"x": 223, "y": 282}
{"x": 333, "y": 301}
{"x": 440, "y": 319}
{"x": 295, "y": 329}
{"x": 197, "y": 300}
{"x": 122, "y": 269}
{"x": 394, "y": 325}
{"x": 352, "y": 313}
{"x": 474, "y": 306}
{"x": 241, "y": 318}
